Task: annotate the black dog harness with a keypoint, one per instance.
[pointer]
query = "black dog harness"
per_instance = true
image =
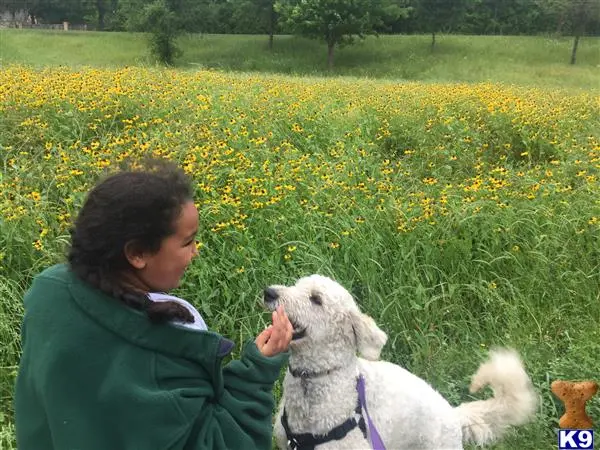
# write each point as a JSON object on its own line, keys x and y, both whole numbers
{"x": 307, "y": 441}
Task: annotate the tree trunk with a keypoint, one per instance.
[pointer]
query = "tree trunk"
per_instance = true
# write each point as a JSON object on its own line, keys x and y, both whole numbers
{"x": 330, "y": 48}
{"x": 432, "y": 40}
{"x": 561, "y": 22}
{"x": 574, "y": 52}
{"x": 101, "y": 13}
{"x": 272, "y": 20}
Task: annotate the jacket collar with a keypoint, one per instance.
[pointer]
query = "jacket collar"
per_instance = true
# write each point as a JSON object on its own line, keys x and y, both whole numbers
{"x": 132, "y": 325}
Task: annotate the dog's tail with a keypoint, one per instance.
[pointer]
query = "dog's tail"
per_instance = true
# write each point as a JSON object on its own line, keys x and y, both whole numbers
{"x": 514, "y": 401}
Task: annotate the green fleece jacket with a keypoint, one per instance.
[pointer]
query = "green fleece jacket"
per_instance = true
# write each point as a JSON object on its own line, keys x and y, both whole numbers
{"x": 97, "y": 375}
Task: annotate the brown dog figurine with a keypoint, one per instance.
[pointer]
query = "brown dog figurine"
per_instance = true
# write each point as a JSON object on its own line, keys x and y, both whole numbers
{"x": 574, "y": 395}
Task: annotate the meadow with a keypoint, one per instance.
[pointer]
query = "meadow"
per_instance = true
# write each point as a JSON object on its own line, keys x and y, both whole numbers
{"x": 522, "y": 60}
{"x": 462, "y": 216}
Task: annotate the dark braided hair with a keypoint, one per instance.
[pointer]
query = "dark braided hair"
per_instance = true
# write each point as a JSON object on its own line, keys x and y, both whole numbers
{"x": 138, "y": 206}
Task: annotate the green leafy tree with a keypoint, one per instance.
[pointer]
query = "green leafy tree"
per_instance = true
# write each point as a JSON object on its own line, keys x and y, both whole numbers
{"x": 49, "y": 11}
{"x": 438, "y": 15}
{"x": 191, "y": 16}
{"x": 102, "y": 8}
{"x": 337, "y": 22}
{"x": 194, "y": 15}
{"x": 103, "y": 15}
{"x": 269, "y": 16}
{"x": 14, "y": 9}
{"x": 556, "y": 14}
{"x": 575, "y": 15}
{"x": 394, "y": 11}
{"x": 255, "y": 16}
{"x": 164, "y": 28}
{"x": 581, "y": 13}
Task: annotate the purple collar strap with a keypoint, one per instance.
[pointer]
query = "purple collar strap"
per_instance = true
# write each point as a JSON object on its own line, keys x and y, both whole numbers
{"x": 372, "y": 434}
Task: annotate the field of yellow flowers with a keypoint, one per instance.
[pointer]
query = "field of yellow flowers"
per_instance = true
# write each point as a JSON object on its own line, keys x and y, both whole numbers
{"x": 460, "y": 216}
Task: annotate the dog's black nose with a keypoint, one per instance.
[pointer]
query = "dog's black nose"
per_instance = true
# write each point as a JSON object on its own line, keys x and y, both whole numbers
{"x": 270, "y": 295}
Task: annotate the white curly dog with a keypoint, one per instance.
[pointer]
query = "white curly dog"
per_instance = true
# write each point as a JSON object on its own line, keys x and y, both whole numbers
{"x": 321, "y": 407}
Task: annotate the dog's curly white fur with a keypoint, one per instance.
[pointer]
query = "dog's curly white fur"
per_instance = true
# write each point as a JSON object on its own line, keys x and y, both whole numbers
{"x": 407, "y": 411}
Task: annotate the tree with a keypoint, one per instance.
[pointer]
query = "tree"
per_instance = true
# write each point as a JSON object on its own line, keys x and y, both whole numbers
{"x": 581, "y": 12}
{"x": 255, "y": 16}
{"x": 267, "y": 7}
{"x": 49, "y": 11}
{"x": 555, "y": 13}
{"x": 393, "y": 12}
{"x": 337, "y": 22}
{"x": 164, "y": 27}
{"x": 437, "y": 15}
{"x": 195, "y": 15}
{"x": 104, "y": 15}
{"x": 17, "y": 10}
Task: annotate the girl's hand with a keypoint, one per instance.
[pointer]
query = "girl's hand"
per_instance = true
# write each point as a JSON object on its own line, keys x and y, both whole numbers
{"x": 277, "y": 337}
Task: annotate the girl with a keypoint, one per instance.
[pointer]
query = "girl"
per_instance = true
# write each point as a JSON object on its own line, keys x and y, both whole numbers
{"x": 110, "y": 362}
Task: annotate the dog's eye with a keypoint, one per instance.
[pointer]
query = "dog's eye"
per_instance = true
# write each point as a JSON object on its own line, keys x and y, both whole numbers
{"x": 316, "y": 299}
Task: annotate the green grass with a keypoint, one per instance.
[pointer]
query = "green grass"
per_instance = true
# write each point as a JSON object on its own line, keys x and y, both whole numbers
{"x": 522, "y": 60}
{"x": 461, "y": 216}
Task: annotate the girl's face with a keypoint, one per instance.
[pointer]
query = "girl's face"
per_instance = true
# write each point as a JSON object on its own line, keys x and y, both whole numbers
{"x": 163, "y": 270}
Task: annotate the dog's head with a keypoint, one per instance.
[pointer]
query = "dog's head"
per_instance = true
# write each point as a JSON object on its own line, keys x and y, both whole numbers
{"x": 323, "y": 312}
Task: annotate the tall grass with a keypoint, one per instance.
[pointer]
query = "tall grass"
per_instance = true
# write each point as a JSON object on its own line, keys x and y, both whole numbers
{"x": 524, "y": 60}
{"x": 460, "y": 216}
{"x": 11, "y": 313}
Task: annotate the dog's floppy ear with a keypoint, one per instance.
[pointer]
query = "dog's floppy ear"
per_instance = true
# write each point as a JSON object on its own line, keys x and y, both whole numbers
{"x": 370, "y": 339}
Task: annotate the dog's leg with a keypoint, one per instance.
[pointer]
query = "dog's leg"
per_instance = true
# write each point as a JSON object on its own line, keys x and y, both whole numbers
{"x": 278, "y": 431}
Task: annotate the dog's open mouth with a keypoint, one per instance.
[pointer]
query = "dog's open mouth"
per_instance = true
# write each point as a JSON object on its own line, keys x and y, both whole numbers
{"x": 299, "y": 331}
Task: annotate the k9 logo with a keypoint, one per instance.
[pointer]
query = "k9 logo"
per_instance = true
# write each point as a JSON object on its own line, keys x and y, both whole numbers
{"x": 575, "y": 439}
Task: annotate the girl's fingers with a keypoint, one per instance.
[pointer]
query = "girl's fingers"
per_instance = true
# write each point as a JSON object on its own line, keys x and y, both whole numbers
{"x": 284, "y": 323}
{"x": 288, "y": 324}
{"x": 263, "y": 337}
{"x": 275, "y": 318}
{"x": 277, "y": 337}
{"x": 285, "y": 330}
